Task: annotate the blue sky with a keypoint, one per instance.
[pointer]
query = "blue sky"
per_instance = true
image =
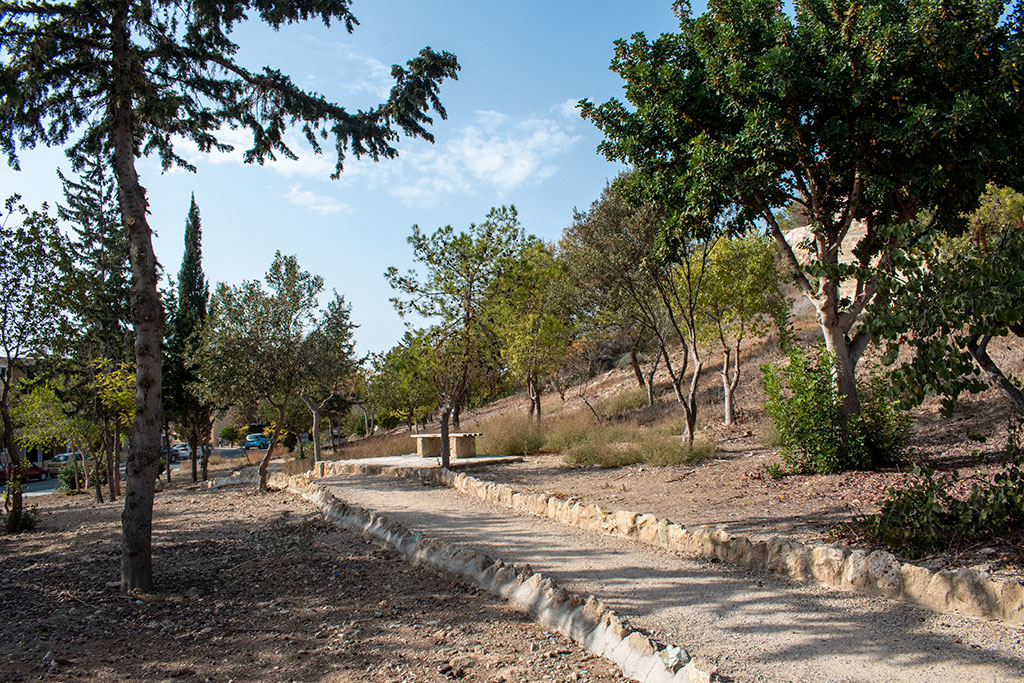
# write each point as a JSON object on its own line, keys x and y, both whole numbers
{"x": 512, "y": 137}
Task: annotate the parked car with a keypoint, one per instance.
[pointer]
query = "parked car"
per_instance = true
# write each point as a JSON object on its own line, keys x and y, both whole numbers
{"x": 257, "y": 441}
{"x": 58, "y": 462}
{"x": 182, "y": 450}
{"x": 33, "y": 473}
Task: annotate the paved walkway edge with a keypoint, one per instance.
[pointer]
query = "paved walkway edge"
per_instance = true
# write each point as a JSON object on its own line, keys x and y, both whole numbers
{"x": 968, "y": 591}
{"x": 586, "y": 621}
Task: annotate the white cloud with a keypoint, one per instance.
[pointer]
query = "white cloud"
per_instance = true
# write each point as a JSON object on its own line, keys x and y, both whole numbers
{"x": 317, "y": 203}
{"x": 495, "y": 151}
{"x": 568, "y": 109}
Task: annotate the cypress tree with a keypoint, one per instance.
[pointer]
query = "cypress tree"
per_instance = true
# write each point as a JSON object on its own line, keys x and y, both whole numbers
{"x": 191, "y": 414}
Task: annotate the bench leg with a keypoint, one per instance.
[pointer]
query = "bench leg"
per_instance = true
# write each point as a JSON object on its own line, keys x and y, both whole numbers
{"x": 428, "y": 448}
{"x": 462, "y": 446}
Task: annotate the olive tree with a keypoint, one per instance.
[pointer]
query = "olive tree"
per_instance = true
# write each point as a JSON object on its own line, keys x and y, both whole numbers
{"x": 252, "y": 347}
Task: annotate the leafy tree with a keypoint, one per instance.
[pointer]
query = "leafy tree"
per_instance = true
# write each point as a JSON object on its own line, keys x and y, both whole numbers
{"x": 329, "y": 359}
{"x": 614, "y": 251}
{"x": 181, "y": 402}
{"x": 532, "y": 318}
{"x": 130, "y": 78}
{"x": 44, "y": 419}
{"x": 455, "y": 289}
{"x": 951, "y": 298}
{"x": 399, "y": 384}
{"x": 31, "y": 248}
{"x": 743, "y": 297}
{"x": 252, "y": 346}
{"x": 875, "y": 110}
{"x": 604, "y": 251}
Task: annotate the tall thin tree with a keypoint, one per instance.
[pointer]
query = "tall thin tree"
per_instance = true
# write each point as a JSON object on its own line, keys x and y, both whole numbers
{"x": 188, "y": 410}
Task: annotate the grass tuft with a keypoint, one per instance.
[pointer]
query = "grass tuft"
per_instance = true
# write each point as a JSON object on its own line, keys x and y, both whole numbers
{"x": 624, "y": 401}
{"x": 509, "y": 435}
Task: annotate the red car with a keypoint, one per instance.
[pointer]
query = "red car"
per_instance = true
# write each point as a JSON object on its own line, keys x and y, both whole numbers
{"x": 33, "y": 473}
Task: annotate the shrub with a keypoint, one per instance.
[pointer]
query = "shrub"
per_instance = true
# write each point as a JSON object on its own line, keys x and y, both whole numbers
{"x": 625, "y": 401}
{"x": 806, "y": 408}
{"x": 66, "y": 477}
{"x": 923, "y": 515}
{"x": 230, "y": 434}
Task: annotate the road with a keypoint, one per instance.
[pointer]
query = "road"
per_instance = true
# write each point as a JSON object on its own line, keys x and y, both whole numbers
{"x": 41, "y": 488}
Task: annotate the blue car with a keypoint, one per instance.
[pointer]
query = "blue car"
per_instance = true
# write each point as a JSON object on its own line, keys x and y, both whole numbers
{"x": 257, "y": 441}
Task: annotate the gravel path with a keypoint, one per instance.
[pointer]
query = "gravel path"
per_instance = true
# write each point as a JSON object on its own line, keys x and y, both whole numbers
{"x": 752, "y": 626}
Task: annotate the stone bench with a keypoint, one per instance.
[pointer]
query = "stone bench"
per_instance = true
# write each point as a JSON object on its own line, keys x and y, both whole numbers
{"x": 461, "y": 445}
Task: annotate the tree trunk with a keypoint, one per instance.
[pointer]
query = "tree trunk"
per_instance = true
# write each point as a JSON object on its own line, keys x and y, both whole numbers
{"x": 690, "y": 406}
{"x": 117, "y": 460}
{"x": 635, "y": 362}
{"x": 147, "y": 319}
{"x": 446, "y": 452}
{"x": 456, "y": 414}
{"x": 977, "y": 346}
{"x": 846, "y": 378}
{"x": 13, "y": 523}
{"x": 96, "y": 477}
{"x": 207, "y": 449}
{"x": 650, "y": 380}
{"x": 108, "y": 449}
{"x": 167, "y": 440}
{"x": 193, "y": 447}
{"x": 265, "y": 462}
{"x": 730, "y": 380}
{"x": 316, "y": 436}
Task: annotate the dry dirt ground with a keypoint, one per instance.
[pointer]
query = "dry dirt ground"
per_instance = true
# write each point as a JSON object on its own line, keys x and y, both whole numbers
{"x": 252, "y": 588}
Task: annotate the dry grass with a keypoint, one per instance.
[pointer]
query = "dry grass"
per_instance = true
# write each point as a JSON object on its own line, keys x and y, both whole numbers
{"x": 509, "y": 434}
{"x": 619, "y": 446}
{"x": 379, "y": 446}
{"x": 624, "y": 401}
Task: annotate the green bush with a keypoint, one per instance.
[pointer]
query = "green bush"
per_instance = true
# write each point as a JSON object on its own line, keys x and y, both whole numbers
{"x": 806, "y": 408}
{"x": 923, "y": 516}
{"x": 66, "y": 477}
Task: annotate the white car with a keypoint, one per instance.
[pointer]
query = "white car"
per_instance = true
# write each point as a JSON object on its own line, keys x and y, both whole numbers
{"x": 182, "y": 450}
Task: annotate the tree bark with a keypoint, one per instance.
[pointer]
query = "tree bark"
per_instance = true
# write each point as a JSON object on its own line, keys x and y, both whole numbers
{"x": 977, "y": 346}
{"x": 166, "y": 439}
{"x": 650, "y": 380}
{"x": 730, "y": 380}
{"x": 147, "y": 318}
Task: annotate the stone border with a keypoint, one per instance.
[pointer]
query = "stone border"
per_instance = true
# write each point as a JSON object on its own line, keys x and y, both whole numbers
{"x": 968, "y": 591}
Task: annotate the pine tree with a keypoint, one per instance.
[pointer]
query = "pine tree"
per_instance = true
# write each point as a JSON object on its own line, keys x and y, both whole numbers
{"x": 101, "y": 288}
{"x": 99, "y": 296}
{"x": 181, "y": 403}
